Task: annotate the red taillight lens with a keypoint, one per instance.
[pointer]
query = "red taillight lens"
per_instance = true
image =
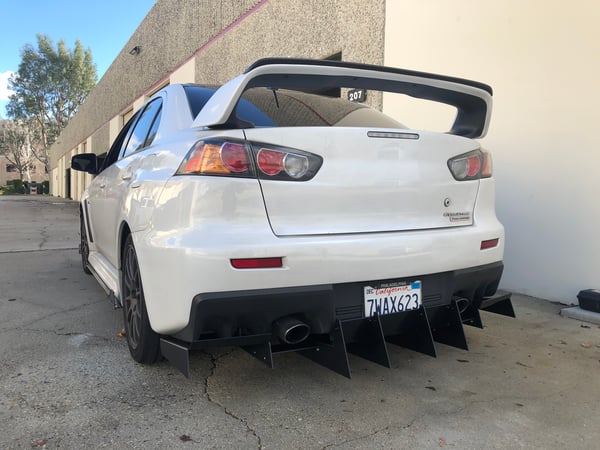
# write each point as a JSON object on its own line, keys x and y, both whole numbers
{"x": 490, "y": 243}
{"x": 471, "y": 166}
{"x": 234, "y": 157}
{"x": 257, "y": 263}
{"x": 270, "y": 162}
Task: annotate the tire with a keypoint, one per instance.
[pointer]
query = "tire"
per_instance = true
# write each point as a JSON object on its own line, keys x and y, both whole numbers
{"x": 143, "y": 342}
{"x": 84, "y": 247}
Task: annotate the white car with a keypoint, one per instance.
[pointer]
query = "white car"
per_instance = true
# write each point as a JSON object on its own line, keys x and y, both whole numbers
{"x": 272, "y": 214}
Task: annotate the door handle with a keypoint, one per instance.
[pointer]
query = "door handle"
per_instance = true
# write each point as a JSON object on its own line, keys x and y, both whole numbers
{"x": 126, "y": 176}
{"x": 102, "y": 185}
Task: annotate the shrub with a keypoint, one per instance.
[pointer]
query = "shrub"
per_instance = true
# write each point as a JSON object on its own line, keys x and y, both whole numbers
{"x": 18, "y": 186}
{"x": 9, "y": 189}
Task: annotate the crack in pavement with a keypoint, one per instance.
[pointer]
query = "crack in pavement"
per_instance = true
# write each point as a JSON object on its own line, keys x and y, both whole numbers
{"x": 45, "y": 237}
{"x": 10, "y": 252}
{"x": 373, "y": 433}
{"x": 214, "y": 360}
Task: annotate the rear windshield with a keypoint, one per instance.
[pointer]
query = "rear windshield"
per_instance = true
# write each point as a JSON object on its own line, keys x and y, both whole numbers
{"x": 264, "y": 107}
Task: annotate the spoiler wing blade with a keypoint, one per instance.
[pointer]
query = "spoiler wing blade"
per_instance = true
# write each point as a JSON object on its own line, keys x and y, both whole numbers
{"x": 472, "y": 100}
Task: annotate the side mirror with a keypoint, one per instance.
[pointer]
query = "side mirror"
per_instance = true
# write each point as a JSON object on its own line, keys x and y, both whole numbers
{"x": 85, "y": 162}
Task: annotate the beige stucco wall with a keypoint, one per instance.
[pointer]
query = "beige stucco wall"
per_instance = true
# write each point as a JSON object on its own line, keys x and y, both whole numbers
{"x": 541, "y": 58}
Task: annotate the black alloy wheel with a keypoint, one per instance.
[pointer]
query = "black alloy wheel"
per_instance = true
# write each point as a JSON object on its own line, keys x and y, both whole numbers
{"x": 142, "y": 341}
{"x": 84, "y": 247}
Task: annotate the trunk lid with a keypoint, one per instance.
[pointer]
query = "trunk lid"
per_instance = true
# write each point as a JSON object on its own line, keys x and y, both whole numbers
{"x": 368, "y": 184}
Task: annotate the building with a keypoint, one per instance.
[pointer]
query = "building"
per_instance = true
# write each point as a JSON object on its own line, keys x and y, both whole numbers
{"x": 536, "y": 55}
{"x": 9, "y": 172}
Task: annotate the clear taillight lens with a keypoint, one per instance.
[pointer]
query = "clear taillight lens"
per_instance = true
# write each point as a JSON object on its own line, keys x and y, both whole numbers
{"x": 227, "y": 158}
{"x": 296, "y": 166}
{"x": 471, "y": 166}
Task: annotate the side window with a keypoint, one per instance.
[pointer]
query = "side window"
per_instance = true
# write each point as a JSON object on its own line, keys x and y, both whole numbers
{"x": 116, "y": 148}
{"x": 146, "y": 124}
{"x": 153, "y": 128}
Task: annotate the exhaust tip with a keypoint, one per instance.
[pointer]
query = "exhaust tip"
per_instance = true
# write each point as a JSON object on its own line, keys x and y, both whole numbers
{"x": 291, "y": 330}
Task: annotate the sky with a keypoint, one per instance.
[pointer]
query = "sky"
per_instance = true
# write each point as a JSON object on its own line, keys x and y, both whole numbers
{"x": 104, "y": 26}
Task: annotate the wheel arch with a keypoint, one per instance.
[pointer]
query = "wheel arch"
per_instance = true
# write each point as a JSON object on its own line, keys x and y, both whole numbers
{"x": 124, "y": 231}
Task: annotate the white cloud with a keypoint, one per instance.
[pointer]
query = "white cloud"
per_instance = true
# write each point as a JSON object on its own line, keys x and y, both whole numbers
{"x": 4, "y": 91}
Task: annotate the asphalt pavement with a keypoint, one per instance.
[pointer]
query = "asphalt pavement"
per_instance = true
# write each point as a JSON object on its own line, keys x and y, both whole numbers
{"x": 67, "y": 380}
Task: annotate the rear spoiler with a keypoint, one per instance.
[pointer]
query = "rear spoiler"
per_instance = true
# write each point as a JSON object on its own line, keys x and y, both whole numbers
{"x": 472, "y": 100}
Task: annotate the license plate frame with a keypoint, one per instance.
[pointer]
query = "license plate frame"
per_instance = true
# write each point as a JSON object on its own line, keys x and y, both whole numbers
{"x": 392, "y": 297}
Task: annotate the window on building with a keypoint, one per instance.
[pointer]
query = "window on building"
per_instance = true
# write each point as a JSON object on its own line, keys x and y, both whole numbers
{"x": 125, "y": 117}
{"x": 155, "y": 90}
{"x": 334, "y": 92}
{"x": 11, "y": 168}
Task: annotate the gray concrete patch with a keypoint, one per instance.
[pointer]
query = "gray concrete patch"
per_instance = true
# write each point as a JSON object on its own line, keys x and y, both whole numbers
{"x": 67, "y": 380}
{"x": 41, "y": 223}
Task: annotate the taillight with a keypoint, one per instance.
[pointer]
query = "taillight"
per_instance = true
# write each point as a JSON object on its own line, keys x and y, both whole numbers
{"x": 486, "y": 167}
{"x": 471, "y": 166}
{"x": 227, "y": 158}
{"x": 216, "y": 158}
{"x": 278, "y": 162}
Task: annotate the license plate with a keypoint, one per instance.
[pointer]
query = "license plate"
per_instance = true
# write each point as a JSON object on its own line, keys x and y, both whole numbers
{"x": 390, "y": 298}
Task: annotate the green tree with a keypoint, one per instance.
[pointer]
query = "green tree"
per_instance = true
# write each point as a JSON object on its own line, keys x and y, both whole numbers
{"x": 48, "y": 87}
{"x": 14, "y": 146}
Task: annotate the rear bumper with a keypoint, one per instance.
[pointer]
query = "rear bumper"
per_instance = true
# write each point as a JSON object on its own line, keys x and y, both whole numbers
{"x": 252, "y": 312}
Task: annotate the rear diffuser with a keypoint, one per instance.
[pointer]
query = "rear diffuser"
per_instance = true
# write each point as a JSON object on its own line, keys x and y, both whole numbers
{"x": 367, "y": 338}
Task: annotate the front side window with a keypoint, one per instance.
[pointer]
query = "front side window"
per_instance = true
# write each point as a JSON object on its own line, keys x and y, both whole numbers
{"x": 107, "y": 159}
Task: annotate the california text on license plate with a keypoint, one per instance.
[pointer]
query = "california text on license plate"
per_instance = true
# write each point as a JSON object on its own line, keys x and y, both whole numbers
{"x": 390, "y": 298}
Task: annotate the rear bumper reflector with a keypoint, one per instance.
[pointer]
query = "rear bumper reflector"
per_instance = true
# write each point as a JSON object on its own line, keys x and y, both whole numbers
{"x": 490, "y": 243}
{"x": 257, "y": 263}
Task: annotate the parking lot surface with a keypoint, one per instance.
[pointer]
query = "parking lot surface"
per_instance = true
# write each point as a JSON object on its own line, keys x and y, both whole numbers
{"x": 67, "y": 380}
